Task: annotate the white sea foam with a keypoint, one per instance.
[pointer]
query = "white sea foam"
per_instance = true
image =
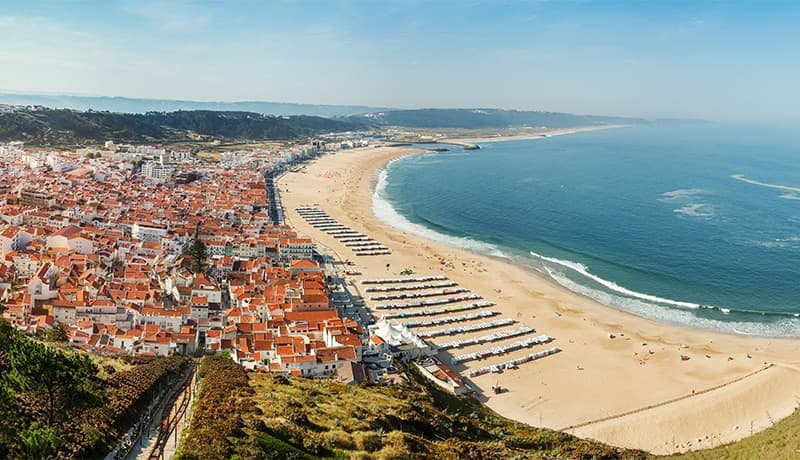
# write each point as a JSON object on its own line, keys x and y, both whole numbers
{"x": 790, "y": 196}
{"x": 787, "y": 188}
{"x": 681, "y": 194}
{"x": 783, "y": 327}
{"x": 384, "y": 210}
{"x": 701, "y": 210}
{"x": 688, "y": 201}
{"x": 584, "y": 271}
{"x": 791, "y": 242}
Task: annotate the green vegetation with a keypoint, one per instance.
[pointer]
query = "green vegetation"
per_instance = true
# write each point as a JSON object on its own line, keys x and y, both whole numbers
{"x": 129, "y": 392}
{"x": 485, "y": 118}
{"x": 780, "y": 441}
{"x": 276, "y": 416}
{"x": 44, "y": 394}
{"x": 218, "y": 421}
{"x": 63, "y": 127}
{"x": 57, "y": 333}
{"x": 57, "y": 403}
{"x": 69, "y": 127}
{"x": 198, "y": 255}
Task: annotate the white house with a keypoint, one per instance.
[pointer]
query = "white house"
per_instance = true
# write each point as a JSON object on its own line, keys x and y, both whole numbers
{"x": 13, "y": 238}
{"x": 148, "y": 232}
{"x": 43, "y": 285}
{"x": 71, "y": 238}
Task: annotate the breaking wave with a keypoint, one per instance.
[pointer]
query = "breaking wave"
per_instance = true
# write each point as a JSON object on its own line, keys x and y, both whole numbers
{"x": 787, "y": 188}
{"x": 662, "y": 309}
{"x": 384, "y": 210}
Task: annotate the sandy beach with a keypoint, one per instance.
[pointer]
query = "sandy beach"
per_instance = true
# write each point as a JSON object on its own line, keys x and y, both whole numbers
{"x": 632, "y": 390}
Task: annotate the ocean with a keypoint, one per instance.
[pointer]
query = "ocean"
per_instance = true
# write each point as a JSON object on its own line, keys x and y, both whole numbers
{"x": 694, "y": 224}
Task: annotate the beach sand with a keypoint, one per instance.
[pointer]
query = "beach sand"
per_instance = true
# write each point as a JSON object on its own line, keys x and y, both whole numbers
{"x": 666, "y": 404}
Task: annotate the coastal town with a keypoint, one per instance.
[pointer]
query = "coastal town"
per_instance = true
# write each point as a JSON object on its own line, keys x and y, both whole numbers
{"x": 389, "y": 230}
{"x": 281, "y": 258}
{"x": 140, "y": 250}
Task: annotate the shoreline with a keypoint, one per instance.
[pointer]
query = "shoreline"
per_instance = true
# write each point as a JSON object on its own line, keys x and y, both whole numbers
{"x": 595, "y": 378}
{"x": 526, "y": 136}
{"x": 442, "y": 238}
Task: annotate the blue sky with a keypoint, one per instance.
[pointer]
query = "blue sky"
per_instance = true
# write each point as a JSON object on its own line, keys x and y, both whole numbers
{"x": 723, "y": 60}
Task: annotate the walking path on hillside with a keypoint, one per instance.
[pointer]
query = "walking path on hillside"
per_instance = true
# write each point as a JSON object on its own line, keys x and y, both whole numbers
{"x": 170, "y": 419}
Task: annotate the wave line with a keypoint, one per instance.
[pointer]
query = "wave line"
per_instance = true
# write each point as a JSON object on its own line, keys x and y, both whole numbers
{"x": 583, "y": 270}
{"x": 787, "y": 188}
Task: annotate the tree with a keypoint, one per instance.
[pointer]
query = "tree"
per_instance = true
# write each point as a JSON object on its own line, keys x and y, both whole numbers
{"x": 51, "y": 384}
{"x": 57, "y": 333}
{"x": 198, "y": 255}
{"x": 52, "y": 403}
{"x": 37, "y": 442}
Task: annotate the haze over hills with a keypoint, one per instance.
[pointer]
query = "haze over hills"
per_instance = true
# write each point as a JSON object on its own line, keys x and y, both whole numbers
{"x": 143, "y": 105}
{"x": 486, "y": 118}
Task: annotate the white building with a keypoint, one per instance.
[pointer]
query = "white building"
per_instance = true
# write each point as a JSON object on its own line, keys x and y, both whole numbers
{"x": 71, "y": 238}
{"x": 148, "y": 232}
{"x": 157, "y": 171}
{"x": 296, "y": 248}
{"x": 13, "y": 238}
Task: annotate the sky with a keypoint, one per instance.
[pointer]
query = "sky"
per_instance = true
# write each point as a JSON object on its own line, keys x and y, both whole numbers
{"x": 718, "y": 60}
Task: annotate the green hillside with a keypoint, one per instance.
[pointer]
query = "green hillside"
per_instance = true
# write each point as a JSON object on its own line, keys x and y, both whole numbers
{"x": 69, "y": 127}
{"x": 60, "y": 403}
{"x": 274, "y": 416}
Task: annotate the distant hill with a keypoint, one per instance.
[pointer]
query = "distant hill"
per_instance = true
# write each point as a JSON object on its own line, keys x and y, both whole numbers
{"x": 69, "y": 127}
{"x": 485, "y": 118}
{"x": 136, "y": 105}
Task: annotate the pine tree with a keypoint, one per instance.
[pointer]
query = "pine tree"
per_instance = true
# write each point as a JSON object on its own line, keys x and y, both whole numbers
{"x": 198, "y": 255}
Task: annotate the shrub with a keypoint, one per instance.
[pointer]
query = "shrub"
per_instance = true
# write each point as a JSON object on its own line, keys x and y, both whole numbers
{"x": 339, "y": 439}
{"x": 369, "y": 441}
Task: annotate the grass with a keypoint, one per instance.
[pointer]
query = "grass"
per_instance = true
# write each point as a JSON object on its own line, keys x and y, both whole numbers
{"x": 278, "y": 416}
{"x": 327, "y": 419}
{"x": 780, "y": 441}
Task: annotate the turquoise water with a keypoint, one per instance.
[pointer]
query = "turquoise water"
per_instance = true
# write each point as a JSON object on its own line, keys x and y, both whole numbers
{"x": 694, "y": 224}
